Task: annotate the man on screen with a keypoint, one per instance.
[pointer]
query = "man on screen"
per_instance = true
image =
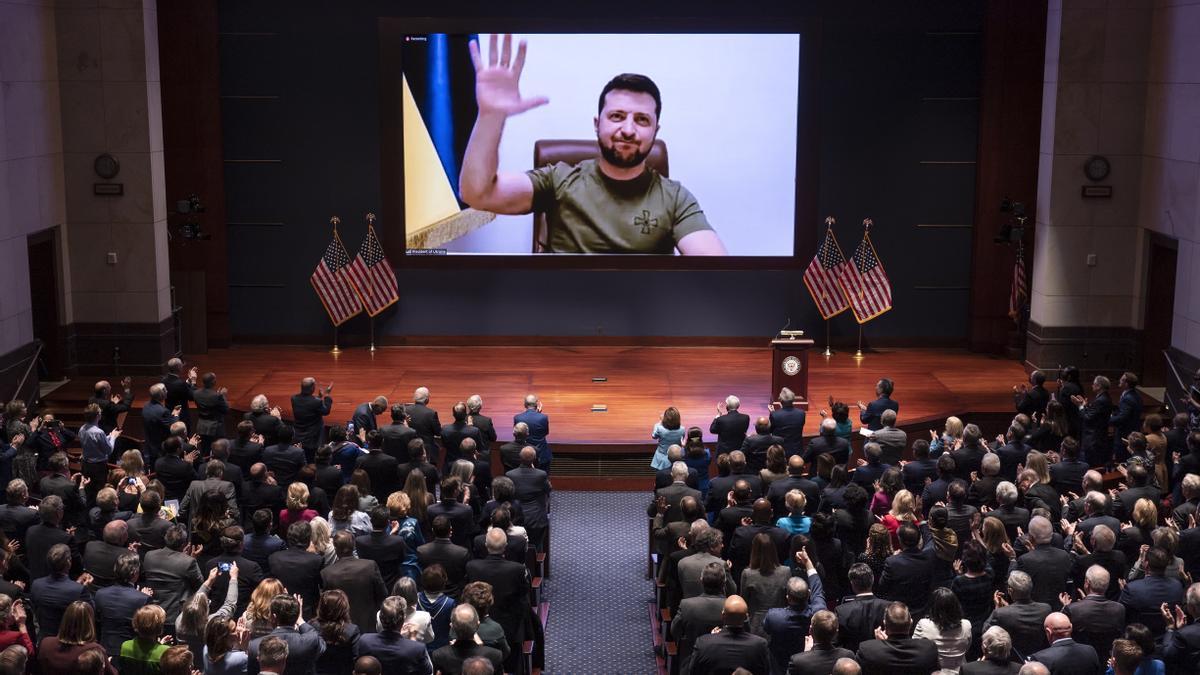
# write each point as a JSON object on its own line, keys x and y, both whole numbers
{"x": 611, "y": 204}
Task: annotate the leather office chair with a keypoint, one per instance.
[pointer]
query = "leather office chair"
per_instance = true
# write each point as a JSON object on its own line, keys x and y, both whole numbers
{"x": 572, "y": 151}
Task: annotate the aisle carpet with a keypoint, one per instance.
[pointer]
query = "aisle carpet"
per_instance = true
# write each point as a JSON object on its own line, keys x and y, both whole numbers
{"x": 598, "y": 593}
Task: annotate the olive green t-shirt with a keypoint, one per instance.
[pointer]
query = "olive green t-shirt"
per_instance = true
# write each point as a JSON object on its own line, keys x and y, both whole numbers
{"x": 588, "y": 212}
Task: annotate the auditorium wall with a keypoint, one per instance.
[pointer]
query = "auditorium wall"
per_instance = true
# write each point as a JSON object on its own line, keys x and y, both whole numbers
{"x": 897, "y": 91}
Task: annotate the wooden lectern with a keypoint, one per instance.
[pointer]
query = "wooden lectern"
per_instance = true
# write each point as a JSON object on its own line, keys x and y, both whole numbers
{"x": 789, "y": 368}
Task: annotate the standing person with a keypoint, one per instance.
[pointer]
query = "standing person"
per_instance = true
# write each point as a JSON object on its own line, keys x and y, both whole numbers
{"x": 424, "y": 420}
{"x": 1093, "y": 419}
{"x": 112, "y": 406}
{"x": 729, "y": 425}
{"x": 309, "y": 409}
{"x": 667, "y": 431}
{"x": 487, "y": 430}
{"x": 365, "y": 414}
{"x": 1031, "y": 399}
{"x": 180, "y": 389}
{"x": 870, "y": 414}
{"x": 211, "y": 408}
{"x": 359, "y": 579}
{"x": 788, "y": 422}
{"x": 157, "y": 419}
{"x": 539, "y": 428}
{"x": 396, "y": 437}
{"x": 1127, "y": 418}
{"x": 97, "y": 449}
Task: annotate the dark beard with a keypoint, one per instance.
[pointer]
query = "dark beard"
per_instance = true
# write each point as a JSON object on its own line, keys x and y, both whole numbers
{"x": 609, "y": 152}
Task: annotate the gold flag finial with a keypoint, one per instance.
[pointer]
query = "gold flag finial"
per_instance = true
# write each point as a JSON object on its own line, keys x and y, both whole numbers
{"x": 335, "y": 220}
{"x": 829, "y": 221}
{"x": 867, "y": 222}
{"x": 371, "y": 218}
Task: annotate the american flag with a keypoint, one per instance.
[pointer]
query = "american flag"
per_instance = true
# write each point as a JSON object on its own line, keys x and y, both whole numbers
{"x": 821, "y": 277}
{"x": 1019, "y": 292}
{"x": 865, "y": 283}
{"x": 332, "y": 282}
{"x": 373, "y": 276}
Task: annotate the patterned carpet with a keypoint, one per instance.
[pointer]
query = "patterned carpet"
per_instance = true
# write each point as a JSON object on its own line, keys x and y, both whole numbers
{"x": 598, "y": 620}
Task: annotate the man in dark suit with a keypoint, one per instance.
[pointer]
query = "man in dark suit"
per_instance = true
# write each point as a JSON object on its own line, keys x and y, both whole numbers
{"x": 364, "y": 415}
{"x": 899, "y": 653}
{"x": 891, "y": 440}
{"x": 996, "y": 645}
{"x": 1066, "y": 475}
{"x": 533, "y": 491}
{"x": 172, "y": 572}
{"x": 304, "y": 644}
{"x": 1094, "y": 418}
{"x": 870, "y": 413}
{"x": 117, "y": 603}
{"x": 539, "y": 428}
{"x": 396, "y": 437}
{"x": 1031, "y": 399}
{"x": 395, "y": 653}
{"x": 733, "y": 646}
{"x": 174, "y": 471}
{"x": 243, "y": 449}
{"x": 921, "y": 467}
{"x": 259, "y": 544}
{"x": 1181, "y": 644}
{"x": 740, "y": 506}
{"x": 382, "y": 468}
{"x": 1047, "y": 565}
{"x": 786, "y": 627}
{"x": 795, "y": 480}
{"x": 464, "y": 624}
{"x": 729, "y": 425}
{"x": 1140, "y": 487}
{"x": 699, "y": 615}
{"x": 100, "y": 557}
{"x": 1143, "y": 597}
{"x": 424, "y": 420}
{"x": 939, "y": 488}
{"x": 788, "y": 423}
{"x": 309, "y": 409}
{"x": 214, "y": 481}
{"x": 755, "y": 446}
{"x": 462, "y": 518}
{"x": 510, "y": 453}
{"x": 762, "y": 521}
{"x": 476, "y": 418}
{"x": 1097, "y": 620}
{"x": 1127, "y": 418}
{"x": 443, "y": 551}
{"x": 907, "y": 575}
{"x": 112, "y": 406}
{"x": 297, "y": 568}
{"x": 1008, "y": 512}
{"x": 865, "y": 475}
{"x": 1096, "y": 511}
{"x": 156, "y": 421}
{"x": 70, "y": 490}
{"x": 1020, "y": 616}
{"x": 284, "y": 459}
{"x": 266, "y": 419}
{"x": 673, "y": 494}
{"x": 859, "y": 615}
{"x": 39, "y": 539}
{"x": 827, "y": 442}
{"x": 1102, "y": 554}
{"x": 211, "y": 409}
{"x": 824, "y": 652}
{"x": 15, "y": 517}
{"x": 1065, "y": 656}
{"x": 510, "y": 586}
{"x": 387, "y": 550}
{"x": 662, "y": 477}
{"x": 969, "y": 457}
{"x": 358, "y": 578}
{"x": 249, "y": 573}
{"x": 262, "y": 491}
{"x": 179, "y": 389}
{"x": 52, "y": 593}
{"x": 417, "y": 462}
{"x": 456, "y": 432}
{"x": 719, "y": 487}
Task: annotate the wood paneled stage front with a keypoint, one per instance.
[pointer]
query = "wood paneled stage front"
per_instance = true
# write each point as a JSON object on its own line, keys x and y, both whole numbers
{"x": 639, "y": 383}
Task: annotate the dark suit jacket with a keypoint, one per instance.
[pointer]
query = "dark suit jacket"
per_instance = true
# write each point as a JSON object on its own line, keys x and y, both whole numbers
{"x": 1181, "y": 648}
{"x": 514, "y": 550}
{"x": 305, "y": 646}
{"x": 1032, "y": 400}
{"x": 397, "y": 654}
{"x": 109, "y": 411}
{"x": 788, "y": 424}
{"x": 724, "y": 652}
{"x": 260, "y": 547}
{"x": 259, "y": 495}
{"x": 1023, "y": 621}
{"x": 990, "y": 667}
{"x": 16, "y": 520}
{"x": 510, "y": 455}
{"x": 363, "y": 585}
{"x": 174, "y": 576}
{"x": 870, "y": 416}
{"x": 755, "y": 448}
{"x": 719, "y": 488}
{"x": 867, "y": 474}
{"x": 308, "y": 419}
{"x": 533, "y": 490}
{"x": 777, "y": 494}
{"x": 1096, "y": 621}
{"x": 387, "y": 550}
{"x": 384, "y": 471}
{"x": 115, "y": 606}
{"x": 673, "y": 493}
{"x": 285, "y": 461}
{"x": 211, "y": 408}
{"x": 510, "y": 586}
{"x": 249, "y": 574}
{"x": 266, "y": 425}
{"x": 834, "y": 445}
{"x": 245, "y": 455}
{"x": 1128, "y": 416}
{"x": 156, "y": 420}
{"x": 100, "y": 560}
{"x": 453, "y": 435}
{"x": 662, "y": 478}
{"x": 363, "y": 418}
{"x": 74, "y": 507}
{"x": 432, "y": 476}
{"x": 858, "y": 617}
{"x": 539, "y": 428}
{"x": 1067, "y": 475}
{"x": 51, "y": 595}
{"x": 1050, "y": 569}
{"x": 908, "y": 577}
{"x": 730, "y": 429}
{"x": 696, "y": 616}
{"x": 176, "y": 474}
{"x": 462, "y": 520}
{"x": 817, "y": 661}
{"x": 915, "y": 473}
{"x": 1068, "y": 657}
{"x": 898, "y": 657}
{"x": 449, "y": 659}
{"x": 1094, "y": 419}
{"x": 396, "y": 438}
{"x": 1143, "y": 597}
{"x": 300, "y": 572}
{"x": 487, "y": 430}
{"x": 38, "y": 540}
{"x": 452, "y": 557}
{"x": 179, "y": 392}
{"x": 424, "y": 420}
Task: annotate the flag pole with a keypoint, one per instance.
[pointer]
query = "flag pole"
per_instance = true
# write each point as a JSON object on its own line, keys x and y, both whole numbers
{"x": 336, "y": 350}
{"x": 858, "y": 353}
{"x": 829, "y": 221}
{"x": 371, "y": 225}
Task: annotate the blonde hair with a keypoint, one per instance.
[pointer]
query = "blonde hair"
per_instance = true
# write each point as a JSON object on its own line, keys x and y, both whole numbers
{"x": 1145, "y": 514}
{"x": 954, "y": 427}
{"x": 398, "y": 504}
{"x": 904, "y": 506}
{"x": 148, "y": 621}
{"x": 1036, "y": 462}
{"x": 297, "y": 496}
{"x": 132, "y": 463}
{"x": 795, "y": 501}
{"x": 322, "y": 534}
{"x": 260, "y": 599}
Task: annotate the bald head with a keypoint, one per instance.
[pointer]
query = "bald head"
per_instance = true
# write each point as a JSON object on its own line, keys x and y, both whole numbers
{"x": 531, "y": 401}
{"x": 847, "y": 666}
{"x": 528, "y": 455}
{"x": 116, "y": 532}
{"x": 795, "y": 465}
{"x": 734, "y": 612}
{"x": 762, "y": 425}
{"x": 762, "y": 511}
{"x": 1033, "y": 668}
{"x": 1058, "y": 626}
{"x": 367, "y": 665}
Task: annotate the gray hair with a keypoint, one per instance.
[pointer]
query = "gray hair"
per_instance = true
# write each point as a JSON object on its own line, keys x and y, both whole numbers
{"x": 1097, "y": 578}
{"x": 1033, "y": 668}
{"x": 732, "y": 402}
{"x": 1192, "y": 598}
{"x": 474, "y": 403}
{"x": 990, "y": 464}
{"x": 158, "y": 391}
{"x": 675, "y": 452}
{"x": 1191, "y": 483}
{"x": 797, "y": 588}
{"x": 1040, "y": 530}
{"x": 888, "y": 418}
{"x": 1006, "y": 493}
{"x": 258, "y": 403}
{"x": 997, "y": 643}
{"x": 679, "y": 471}
{"x": 786, "y": 395}
{"x": 421, "y": 395}
{"x": 1020, "y": 585}
{"x": 828, "y": 425}
{"x": 520, "y": 430}
{"x": 1098, "y": 501}
{"x": 1102, "y": 382}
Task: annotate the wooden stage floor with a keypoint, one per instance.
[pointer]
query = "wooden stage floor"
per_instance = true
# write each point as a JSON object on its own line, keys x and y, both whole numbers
{"x": 641, "y": 382}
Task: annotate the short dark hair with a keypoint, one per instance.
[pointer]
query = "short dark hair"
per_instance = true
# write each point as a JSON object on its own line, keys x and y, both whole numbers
{"x": 127, "y": 567}
{"x": 441, "y": 527}
{"x": 712, "y": 578}
{"x": 632, "y": 82}
{"x": 285, "y": 609}
{"x": 380, "y": 517}
{"x": 908, "y": 535}
{"x": 299, "y": 535}
{"x": 261, "y": 521}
